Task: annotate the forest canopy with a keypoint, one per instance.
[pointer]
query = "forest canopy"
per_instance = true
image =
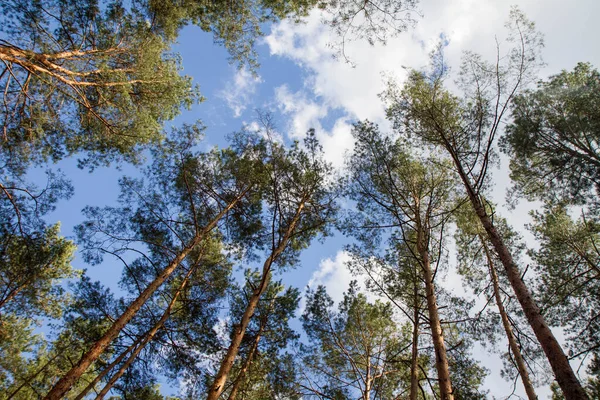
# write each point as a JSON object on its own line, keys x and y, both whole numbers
{"x": 190, "y": 262}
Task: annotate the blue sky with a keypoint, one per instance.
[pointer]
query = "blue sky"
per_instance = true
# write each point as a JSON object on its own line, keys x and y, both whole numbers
{"x": 304, "y": 86}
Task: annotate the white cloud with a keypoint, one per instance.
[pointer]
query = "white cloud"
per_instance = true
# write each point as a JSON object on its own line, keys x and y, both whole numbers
{"x": 468, "y": 24}
{"x": 334, "y": 275}
{"x": 239, "y": 91}
{"x": 305, "y": 113}
{"x": 337, "y": 142}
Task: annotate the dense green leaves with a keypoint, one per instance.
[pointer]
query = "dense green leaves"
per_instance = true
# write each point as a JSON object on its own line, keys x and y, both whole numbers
{"x": 91, "y": 77}
{"x": 568, "y": 264}
{"x": 97, "y": 79}
{"x": 554, "y": 136}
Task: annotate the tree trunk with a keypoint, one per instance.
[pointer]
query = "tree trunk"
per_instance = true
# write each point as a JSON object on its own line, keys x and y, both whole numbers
{"x": 107, "y": 369}
{"x": 238, "y": 381}
{"x": 65, "y": 383}
{"x": 522, "y": 368}
{"x": 218, "y": 384}
{"x": 146, "y": 339}
{"x": 568, "y": 382}
{"x": 368, "y": 378}
{"x": 414, "y": 361}
{"x": 441, "y": 359}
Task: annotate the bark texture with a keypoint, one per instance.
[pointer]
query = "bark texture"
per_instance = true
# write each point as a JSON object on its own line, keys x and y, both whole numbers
{"x": 67, "y": 381}
{"x": 414, "y": 361}
{"x": 512, "y": 342}
{"x": 218, "y": 384}
{"x": 441, "y": 359}
{"x": 568, "y": 382}
{"x": 108, "y": 368}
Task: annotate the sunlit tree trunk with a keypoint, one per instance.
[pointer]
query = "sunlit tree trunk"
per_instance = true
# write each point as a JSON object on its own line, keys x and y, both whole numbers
{"x": 67, "y": 381}
{"x": 441, "y": 359}
{"x": 414, "y": 359}
{"x": 218, "y": 384}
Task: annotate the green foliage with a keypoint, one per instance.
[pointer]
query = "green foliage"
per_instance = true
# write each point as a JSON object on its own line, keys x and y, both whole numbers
{"x": 269, "y": 372}
{"x": 30, "y": 270}
{"x": 237, "y": 25}
{"x": 144, "y": 393}
{"x": 355, "y": 350}
{"x": 592, "y": 385}
{"x": 181, "y": 193}
{"x": 300, "y": 184}
{"x": 31, "y": 375}
{"x": 91, "y": 77}
{"x": 554, "y": 136}
{"x": 474, "y": 268}
{"x": 34, "y": 261}
{"x": 466, "y": 373}
{"x": 568, "y": 264}
{"x": 466, "y": 125}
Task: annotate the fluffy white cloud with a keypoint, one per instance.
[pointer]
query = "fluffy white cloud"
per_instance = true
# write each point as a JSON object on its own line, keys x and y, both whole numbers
{"x": 468, "y": 24}
{"x": 334, "y": 275}
{"x": 238, "y": 92}
{"x": 305, "y": 113}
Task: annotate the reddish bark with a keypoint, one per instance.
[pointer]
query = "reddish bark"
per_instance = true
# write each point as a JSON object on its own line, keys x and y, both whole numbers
{"x": 221, "y": 378}
{"x": 67, "y": 381}
{"x": 568, "y": 382}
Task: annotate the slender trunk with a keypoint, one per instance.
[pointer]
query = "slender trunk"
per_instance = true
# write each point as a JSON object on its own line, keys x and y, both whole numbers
{"x": 147, "y": 339}
{"x": 240, "y": 378}
{"x": 568, "y": 382}
{"x": 263, "y": 324}
{"x": 508, "y": 329}
{"x": 414, "y": 361}
{"x": 138, "y": 344}
{"x": 441, "y": 359}
{"x": 218, "y": 384}
{"x": 65, "y": 383}
{"x": 108, "y": 368}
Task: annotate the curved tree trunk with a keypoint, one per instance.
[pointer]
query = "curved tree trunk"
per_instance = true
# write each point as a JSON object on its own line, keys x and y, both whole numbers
{"x": 67, "y": 381}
